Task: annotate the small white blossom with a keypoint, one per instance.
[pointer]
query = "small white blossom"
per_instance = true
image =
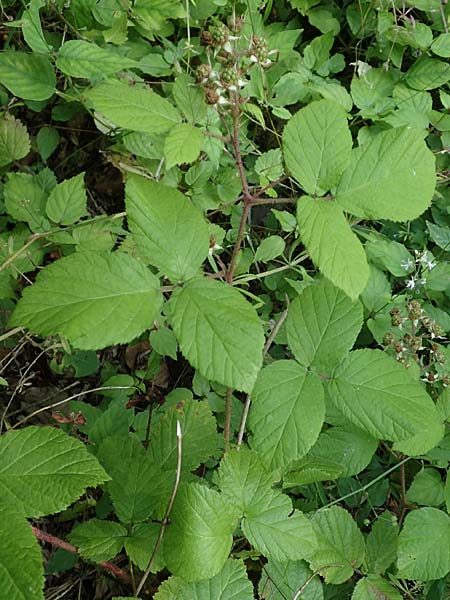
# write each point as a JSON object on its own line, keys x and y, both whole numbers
{"x": 407, "y": 264}
{"x": 253, "y": 58}
{"x": 411, "y": 283}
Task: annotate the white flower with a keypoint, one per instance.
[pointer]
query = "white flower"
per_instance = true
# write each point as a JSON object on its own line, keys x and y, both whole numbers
{"x": 407, "y": 264}
{"x": 411, "y": 284}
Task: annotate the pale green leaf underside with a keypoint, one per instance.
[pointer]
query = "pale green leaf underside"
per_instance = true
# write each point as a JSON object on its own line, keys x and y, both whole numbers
{"x": 332, "y": 245}
{"x": 134, "y": 108}
{"x": 43, "y": 470}
{"x": 272, "y": 530}
{"x": 182, "y": 145}
{"x": 390, "y": 177}
{"x": 98, "y": 540}
{"x": 28, "y": 76}
{"x": 424, "y": 545}
{"x": 171, "y": 231}
{"x": 317, "y": 145}
{"x": 21, "y": 570}
{"x": 322, "y": 325}
{"x": 287, "y": 413}
{"x": 231, "y": 583}
{"x": 200, "y": 536}
{"x": 218, "y": 331}
{"x": 85, "y": 59}
{"x": 95, "y": 300}
{"x": 376, "y": 393}
{"x": 14, "y": 140}
{"x": 339, "y": 542}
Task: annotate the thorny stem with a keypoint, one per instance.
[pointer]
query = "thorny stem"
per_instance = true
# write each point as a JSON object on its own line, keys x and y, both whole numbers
{"x": 165, "y": 521}
{"x": 58, "y": 543}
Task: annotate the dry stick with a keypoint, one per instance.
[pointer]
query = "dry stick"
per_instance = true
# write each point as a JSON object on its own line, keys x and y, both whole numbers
{"x": 248, "y": 401}
{"x": 58, "y": 543}
{"x": 165, "y": 521}
{"x": 227, "y": 426}
{"x": 50, "y": 406}
{"x": 262, "y": 201}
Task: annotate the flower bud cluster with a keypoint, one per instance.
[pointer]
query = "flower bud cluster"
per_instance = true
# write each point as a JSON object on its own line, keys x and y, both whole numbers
{"x": 223, "y": 81}
{"x": 415, "y": 341}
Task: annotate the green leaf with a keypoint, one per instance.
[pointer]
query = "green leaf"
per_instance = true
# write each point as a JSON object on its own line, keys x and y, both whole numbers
{"x": 322, "y": 325}
{"x": 28, "y": 76}
{"x": 275, "y": 530}
{"x": 14, "y": 140}
{"x": 182, "y": 145}
{"x": 12, "y": 241}
{"x": 332, "y": 245}
{"x": 134, "y": 108}
{"x": 67, "y": 201}
{"x": 287, "y": 413}
{"x": 439, "y": 235}
{"x": 376, "y": 393}
{"x": 166, "y": 227}
{"x": 349, "y": 447}
{"x": 43, "y": 470}
{"x": 317, "y": 145}
{"x": 427, "y": 74}
{"x": 270, "y": 248}
{"x": 199, "y": 436}
{"x": 392, "y": 176}
{"x": 95, "y": 300}
{"x": 391, "y": 256}
{"x": 281, "y": 580}
{"x": 199, "y": 539}
{"x": 32, "y": 28}
{"x": 78, "y": 58}
{"x": 25, "y": 200}
{"x": 424, "y": 545}
{"x": 242, "y": 478}
{"x": 140, "y": 543}
{"x": 427, "y": 488}
{"x": 340, "y": 545}
{"x": 137, "y": 484}
{"x": 189, "y": 98}
{"x": 98, "y": 540}
{"x": 231, "y": 583}
{"x": 47, "y": 140}
{"x": 164, "y": 342}
{"x": 441, "y": 45}
{"x": 381, "y": 544}
{"x": 374, "y": 587}
{"x": 230, "y": 332}
{"x": 21, "y": 571}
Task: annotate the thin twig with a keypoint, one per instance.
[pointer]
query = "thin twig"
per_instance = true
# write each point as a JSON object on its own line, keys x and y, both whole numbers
{"x": 262, "y": 201}
{"x": 165, "y": 521}
{"x": 58, "y": 543}
{"x": 227, "y": 427}
{"x": 272, "y": 336}
{"x": 50, "y": 406}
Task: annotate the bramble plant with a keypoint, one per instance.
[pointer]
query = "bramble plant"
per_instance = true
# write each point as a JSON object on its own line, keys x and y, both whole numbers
{"x": 225, "y": 288}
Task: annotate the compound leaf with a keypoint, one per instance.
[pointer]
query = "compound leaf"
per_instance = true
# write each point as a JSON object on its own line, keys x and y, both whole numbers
{"x": 98, "y": 540}
{"x": 218, "y": 331}
{"x": 424, "y": 545}
{"x": 322, "y": 325}
{"x": 340, "y": 545}
{"x": 95, "y": 300}
{"x": 134, "y": 108}
{"x": 375, "y": 392}
{"x": 231, "y": 583}
{"x": 317, "y": 145}
{"x": 199, "y": 539}
{"x": 21, "y": 570}
{"x": 392, "y": 176}
{"x": 332, "y": 245}
{"x": 167, "y": 228}
{"x": 43, "y": 470}
{"x": 287, "y": 413}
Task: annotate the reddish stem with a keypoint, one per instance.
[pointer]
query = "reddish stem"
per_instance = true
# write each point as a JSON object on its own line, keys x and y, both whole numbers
{"x": 58, "y": 543}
